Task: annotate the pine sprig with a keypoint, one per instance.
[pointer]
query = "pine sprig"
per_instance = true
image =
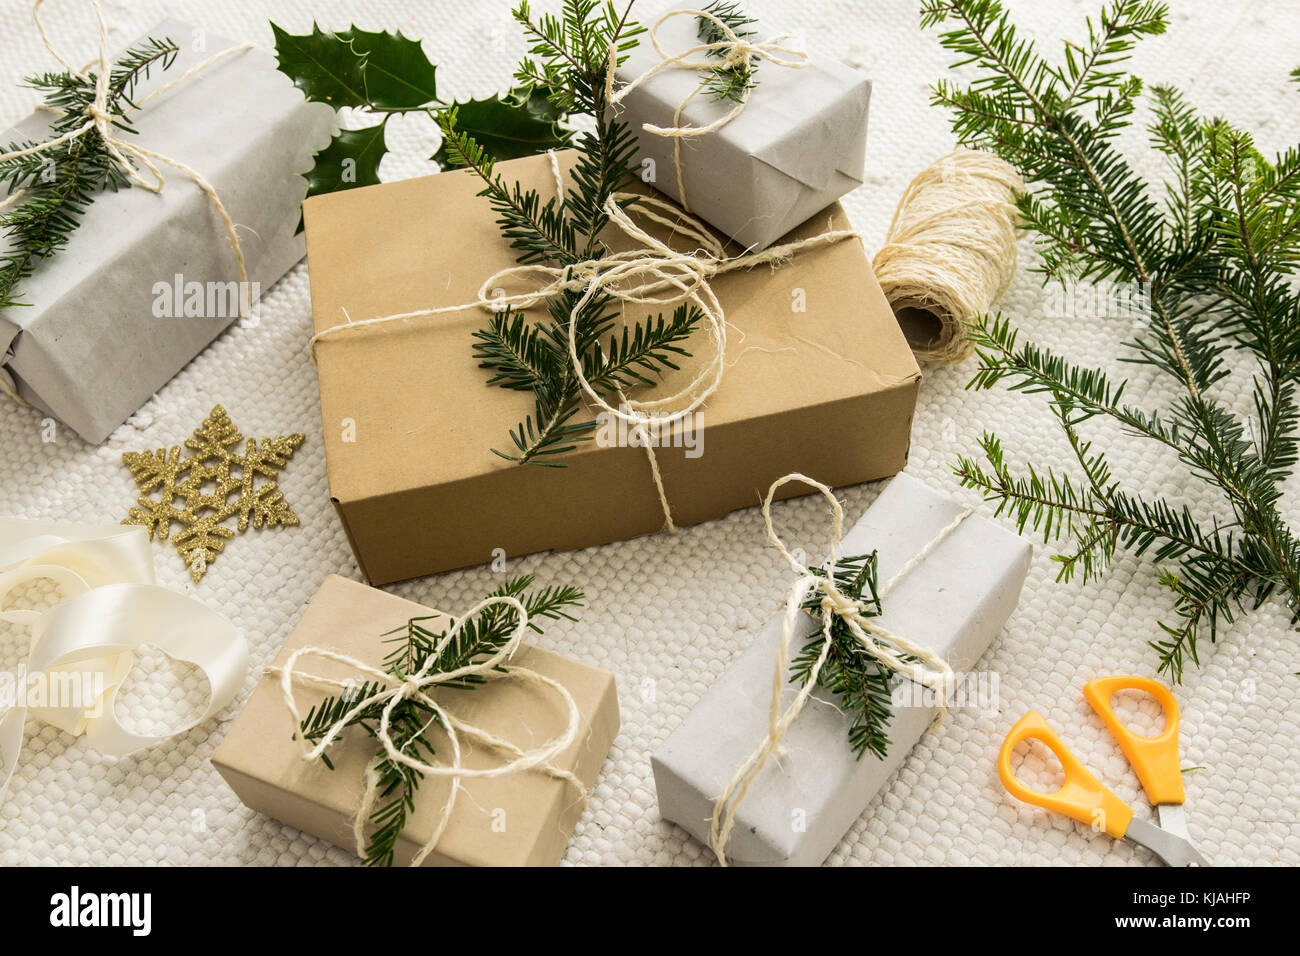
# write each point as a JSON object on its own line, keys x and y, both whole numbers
{"x": 1215, "y": 253}
{"x": 59, "y": 184}
{"x": 863, "y": 686}
{"x": 539, "y": 231}
{"x": 416, "y": 647}
{"x": 728, "y": 81}
{"x": 570, "y": 56}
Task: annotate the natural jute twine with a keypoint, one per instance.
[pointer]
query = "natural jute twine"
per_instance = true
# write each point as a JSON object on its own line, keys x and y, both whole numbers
{"x": 892, "y": 651}
{"x": 951, "y": 251}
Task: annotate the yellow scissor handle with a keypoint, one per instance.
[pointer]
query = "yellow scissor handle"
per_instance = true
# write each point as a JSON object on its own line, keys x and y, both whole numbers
{"x": 1154, "y": 758}
{"x": 1082, "y": 796}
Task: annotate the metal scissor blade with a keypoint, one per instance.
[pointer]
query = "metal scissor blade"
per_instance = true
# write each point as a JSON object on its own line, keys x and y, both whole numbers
{"x": 1175, "y": 850}
{"x": 1173, "y": 818}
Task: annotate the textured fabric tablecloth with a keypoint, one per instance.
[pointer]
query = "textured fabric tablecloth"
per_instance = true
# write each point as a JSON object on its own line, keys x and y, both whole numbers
{"x": 666, "y": 613}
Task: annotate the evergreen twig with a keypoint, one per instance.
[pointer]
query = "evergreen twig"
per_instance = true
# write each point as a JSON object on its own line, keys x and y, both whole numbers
{"x": 728, "y": 81}
{"x": 56, "y": 186}
{"x": 864, "y": 687}
{"x": 1216, "y": 261}
{"x": 569, "y": 57}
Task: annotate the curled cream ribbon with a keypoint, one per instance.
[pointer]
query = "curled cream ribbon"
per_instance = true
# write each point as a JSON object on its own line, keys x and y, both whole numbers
{"x": 652, "y": 274}
{"x": 110, "y": 608}
{"x": 395, "y": 690}
{"x": 735, "y": 51}
{"x": 892, "y": 651}
{"x": 101, "y": 121}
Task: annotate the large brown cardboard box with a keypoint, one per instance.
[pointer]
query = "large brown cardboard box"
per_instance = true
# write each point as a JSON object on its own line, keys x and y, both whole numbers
{"x": 523, "y": 819}
{"x": 819, "y": 379}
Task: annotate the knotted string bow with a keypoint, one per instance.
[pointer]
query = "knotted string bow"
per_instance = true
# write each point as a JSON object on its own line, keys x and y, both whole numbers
{"x": 130, "y": 156}
{"x": 736, "y": 51}
{"x": 891, "y": 651}
{"x": 393, "y": 690}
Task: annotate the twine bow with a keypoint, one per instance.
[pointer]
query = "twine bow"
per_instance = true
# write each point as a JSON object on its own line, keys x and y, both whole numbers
{"x": 892, "y": 651}
{"x": 736, "y": 52}
{"x": 417, "y": 686}
{"x": 129, "y": 156}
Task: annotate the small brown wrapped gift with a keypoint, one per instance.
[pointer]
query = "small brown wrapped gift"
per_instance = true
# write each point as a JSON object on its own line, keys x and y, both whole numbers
{"x": 522, "y": 819}
{"x": 818, "y": 379}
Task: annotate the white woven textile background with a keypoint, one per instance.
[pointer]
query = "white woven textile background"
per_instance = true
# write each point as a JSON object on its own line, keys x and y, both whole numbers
{"x": 666, "y": 614}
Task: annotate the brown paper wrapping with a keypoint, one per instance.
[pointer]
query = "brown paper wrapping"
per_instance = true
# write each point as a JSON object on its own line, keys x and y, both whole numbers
{"x": 410, "y": 422}
{"x": 523, "y": 819}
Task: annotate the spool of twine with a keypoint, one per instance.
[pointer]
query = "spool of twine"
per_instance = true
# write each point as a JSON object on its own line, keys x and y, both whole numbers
{"x": 951, "y": 251}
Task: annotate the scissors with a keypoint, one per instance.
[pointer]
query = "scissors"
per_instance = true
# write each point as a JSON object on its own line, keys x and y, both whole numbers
{"x": 1084, "y": 798}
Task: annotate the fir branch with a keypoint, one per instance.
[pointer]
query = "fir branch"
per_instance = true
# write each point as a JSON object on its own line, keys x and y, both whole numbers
{"x": 728, "y": 82}
{"x": 570, "y": 55}
{"x": 539, "y": 231}
{"x": 1216, "y": 260}
{"x": 863, "y": 686}
{"x": 517, "y": 351}
{"x": 56, "y": 186}
{"x": 418, "y": 647}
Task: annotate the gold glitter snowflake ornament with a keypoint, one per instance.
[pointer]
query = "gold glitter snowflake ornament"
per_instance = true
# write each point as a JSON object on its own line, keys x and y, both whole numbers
{"x": 215, "y": 483}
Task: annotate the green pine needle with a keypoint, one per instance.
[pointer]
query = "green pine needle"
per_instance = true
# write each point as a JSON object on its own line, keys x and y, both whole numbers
{"x": 728, "y": 82}
{"x": 863, "y": 686}
{"x": 569, "y": 56}
{"x": 59, "y": 184}
{"x": 1215, "y": 251}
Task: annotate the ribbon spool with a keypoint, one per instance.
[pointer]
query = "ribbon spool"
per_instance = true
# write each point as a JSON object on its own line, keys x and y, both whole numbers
{"x": 951, "y": 251}
{"x": 110, "y": 608}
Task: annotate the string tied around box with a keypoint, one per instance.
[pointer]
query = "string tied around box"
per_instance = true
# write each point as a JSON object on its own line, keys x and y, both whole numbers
{"x": 392, "y": 690}
{"x": 654, "y": 274}
{"x": 131, "y": 157}
{"x": 731, "y": 51}
{"x": 950, "y": 253}
{"x": 892, "y": 651}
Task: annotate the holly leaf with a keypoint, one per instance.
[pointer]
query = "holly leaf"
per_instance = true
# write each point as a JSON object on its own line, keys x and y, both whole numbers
{"x": 397, "y": 73}
{"x": 350, "y": 160}
{"x": 507, "y": 128}
{"x": 324, "y": 65}
{"x": 537, "y": 101}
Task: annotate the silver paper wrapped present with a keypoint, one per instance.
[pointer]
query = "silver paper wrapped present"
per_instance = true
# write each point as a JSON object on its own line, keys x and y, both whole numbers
{"x": 798, "y": 145}
{"x": 148, "y": 280}
{"x": 800, "y": 806}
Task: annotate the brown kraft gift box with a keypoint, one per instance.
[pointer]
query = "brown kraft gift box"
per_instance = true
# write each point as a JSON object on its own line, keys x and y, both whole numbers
{"x": 522, "y": 819}
{"x": 410, "y": 422}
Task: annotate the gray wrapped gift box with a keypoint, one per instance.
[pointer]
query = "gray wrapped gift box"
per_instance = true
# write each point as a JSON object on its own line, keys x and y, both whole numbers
{"x": 88, "y": 347}
{"x": 799, "y": 144}
{"x": 800, "y": 806}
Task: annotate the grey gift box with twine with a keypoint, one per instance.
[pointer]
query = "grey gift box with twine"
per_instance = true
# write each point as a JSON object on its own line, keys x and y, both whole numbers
{"x": 89, "y": 349}
{"x": 798, "y": 144}
{"x": 955, "y": 602}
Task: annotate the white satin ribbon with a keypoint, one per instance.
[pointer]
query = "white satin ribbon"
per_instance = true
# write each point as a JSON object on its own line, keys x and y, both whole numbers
{"x": 110, "y": 608}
